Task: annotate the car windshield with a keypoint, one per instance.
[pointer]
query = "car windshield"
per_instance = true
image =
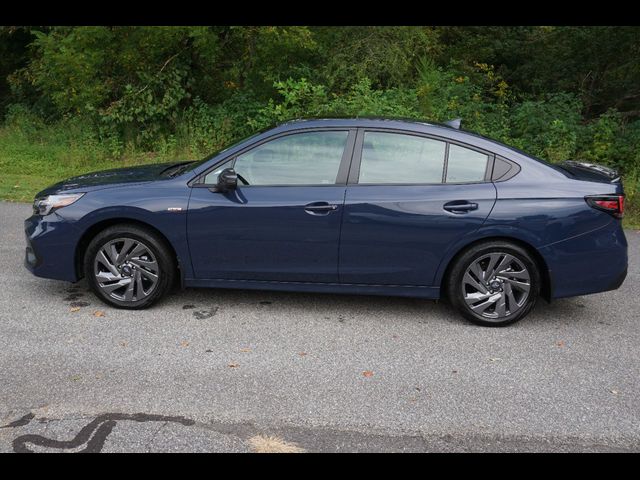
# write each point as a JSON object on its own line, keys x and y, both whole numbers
{"x": 195, "y": 164}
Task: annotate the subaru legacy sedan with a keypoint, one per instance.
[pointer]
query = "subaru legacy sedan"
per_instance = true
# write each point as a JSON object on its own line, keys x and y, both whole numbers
{"x": 357, "y": 206}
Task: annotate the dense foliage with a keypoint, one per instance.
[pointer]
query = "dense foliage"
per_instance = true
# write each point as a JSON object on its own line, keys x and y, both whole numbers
{"x": 102, "y": 95}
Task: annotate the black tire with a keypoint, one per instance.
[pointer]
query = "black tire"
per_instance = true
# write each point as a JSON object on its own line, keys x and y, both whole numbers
{"x": 163, "y": 264}
{"x": 456, "y": 291}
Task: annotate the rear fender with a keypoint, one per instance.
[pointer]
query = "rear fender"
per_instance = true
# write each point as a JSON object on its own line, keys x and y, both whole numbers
{"x": 503, "y": 232}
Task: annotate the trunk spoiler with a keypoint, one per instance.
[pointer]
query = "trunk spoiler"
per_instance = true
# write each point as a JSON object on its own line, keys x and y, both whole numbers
{"x": 590, "y": 171}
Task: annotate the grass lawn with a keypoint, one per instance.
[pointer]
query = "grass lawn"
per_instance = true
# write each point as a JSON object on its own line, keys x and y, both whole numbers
{"x": 22, "y": 187}
{"x": 30, "y": 163}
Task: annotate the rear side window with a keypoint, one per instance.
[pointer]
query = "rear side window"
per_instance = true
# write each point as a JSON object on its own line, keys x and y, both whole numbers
{"x": 465, "y": 165}
{"x": 389, "y": 158}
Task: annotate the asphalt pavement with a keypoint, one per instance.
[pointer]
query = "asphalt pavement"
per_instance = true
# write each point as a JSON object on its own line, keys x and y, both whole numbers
{"x": 224, "y": 370}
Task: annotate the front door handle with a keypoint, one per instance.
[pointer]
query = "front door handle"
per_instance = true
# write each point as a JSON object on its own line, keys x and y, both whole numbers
{"x": 320, "y": 208}
{"x": 460, "y": 206}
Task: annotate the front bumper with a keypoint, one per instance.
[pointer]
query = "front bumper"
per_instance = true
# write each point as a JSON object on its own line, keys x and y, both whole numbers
{"x": 50, "y": 247}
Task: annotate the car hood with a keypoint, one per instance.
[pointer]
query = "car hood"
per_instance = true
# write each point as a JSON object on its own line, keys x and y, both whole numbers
{"x": 107, "y": 178}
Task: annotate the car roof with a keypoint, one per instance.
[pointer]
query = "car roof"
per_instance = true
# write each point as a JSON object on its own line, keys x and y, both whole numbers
{"x": 437, "y": 129}
{"x": 357, "y": 122}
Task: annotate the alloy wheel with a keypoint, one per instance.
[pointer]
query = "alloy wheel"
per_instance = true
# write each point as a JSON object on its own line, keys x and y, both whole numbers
{"x": 126, "y": 270}
{"x": 496, "y": 285}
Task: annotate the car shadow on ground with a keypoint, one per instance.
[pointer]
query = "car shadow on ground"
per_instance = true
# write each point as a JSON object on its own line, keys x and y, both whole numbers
{"x": 78, "y": 295}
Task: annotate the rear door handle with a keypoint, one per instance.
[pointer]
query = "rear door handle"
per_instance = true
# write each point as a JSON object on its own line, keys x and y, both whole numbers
{"x": 320, "y": 208}
{"x": 460, "y": 206}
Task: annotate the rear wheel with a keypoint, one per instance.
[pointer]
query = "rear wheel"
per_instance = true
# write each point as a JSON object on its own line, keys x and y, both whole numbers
{"x": 494, "y": 284}
{"x": 128, "y": 266}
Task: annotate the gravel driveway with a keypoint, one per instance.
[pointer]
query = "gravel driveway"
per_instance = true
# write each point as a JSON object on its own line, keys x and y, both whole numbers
{"x": 223, "y": 370}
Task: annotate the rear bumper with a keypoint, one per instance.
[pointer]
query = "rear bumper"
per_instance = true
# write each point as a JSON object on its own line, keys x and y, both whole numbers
{"x": 617, "y": 282}
{"x": 50, "y": 247}
{"x": 590, "y": 263}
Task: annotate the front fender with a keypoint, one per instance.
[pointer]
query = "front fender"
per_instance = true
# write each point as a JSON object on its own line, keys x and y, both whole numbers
{"x": 163, "y": 207}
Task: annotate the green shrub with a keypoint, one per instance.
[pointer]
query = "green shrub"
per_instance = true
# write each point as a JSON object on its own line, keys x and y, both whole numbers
{"x": 550, "y": 127}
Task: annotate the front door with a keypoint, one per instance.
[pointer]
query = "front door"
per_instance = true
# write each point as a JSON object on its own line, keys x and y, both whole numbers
{"x": 282, "y": 222}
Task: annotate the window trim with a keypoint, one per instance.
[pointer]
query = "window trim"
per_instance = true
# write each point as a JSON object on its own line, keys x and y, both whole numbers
{"x": 354, "y": 172}
{"x": 509, "y": 174}
{"x": 341, "y": 176}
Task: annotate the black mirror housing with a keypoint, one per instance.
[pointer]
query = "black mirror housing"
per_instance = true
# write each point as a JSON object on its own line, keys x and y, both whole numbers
{"x": 227, "y": 180}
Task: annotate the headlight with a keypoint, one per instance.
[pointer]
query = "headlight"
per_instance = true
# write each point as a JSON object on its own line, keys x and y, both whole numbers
{"x": 46, "y": 205}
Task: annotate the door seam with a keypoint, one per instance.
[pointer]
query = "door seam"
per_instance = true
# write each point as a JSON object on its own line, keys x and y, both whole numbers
{"x": 344, "y": 204}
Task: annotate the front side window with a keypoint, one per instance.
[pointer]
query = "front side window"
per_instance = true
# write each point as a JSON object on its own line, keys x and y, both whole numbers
{"x": 465, "y": 165}
{"x": 395, "y": 158}
{"x": 310, "y": 158}
{"x": 212, "y": 177}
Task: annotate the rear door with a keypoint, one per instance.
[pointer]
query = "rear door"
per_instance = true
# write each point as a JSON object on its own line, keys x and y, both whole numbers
{"x": 408, "y": 199}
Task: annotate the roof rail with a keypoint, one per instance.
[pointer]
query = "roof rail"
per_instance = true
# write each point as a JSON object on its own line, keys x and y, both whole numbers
{"x": 455, "y": 123}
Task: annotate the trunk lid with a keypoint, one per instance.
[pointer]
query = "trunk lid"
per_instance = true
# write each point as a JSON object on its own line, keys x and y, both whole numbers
{"x": 590, "y": 172}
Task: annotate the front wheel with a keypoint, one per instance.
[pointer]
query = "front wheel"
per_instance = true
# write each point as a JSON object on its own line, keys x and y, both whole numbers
{"x": 494, "y": 284}
{"x": 128, "y": 266}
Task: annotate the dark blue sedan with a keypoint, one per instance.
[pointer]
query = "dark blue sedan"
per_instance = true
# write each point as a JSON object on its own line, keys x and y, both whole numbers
{"x": 361, "y": 206}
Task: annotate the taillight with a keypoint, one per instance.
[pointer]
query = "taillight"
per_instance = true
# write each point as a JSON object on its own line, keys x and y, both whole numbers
{"x": 613, "y": 204}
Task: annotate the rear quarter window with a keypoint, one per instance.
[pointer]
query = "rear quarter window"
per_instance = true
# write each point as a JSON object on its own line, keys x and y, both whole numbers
{"x": 465, "y": 165}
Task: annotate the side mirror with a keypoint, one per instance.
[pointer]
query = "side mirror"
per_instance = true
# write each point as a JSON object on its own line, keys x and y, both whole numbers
{"x": 227, "y": 180}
